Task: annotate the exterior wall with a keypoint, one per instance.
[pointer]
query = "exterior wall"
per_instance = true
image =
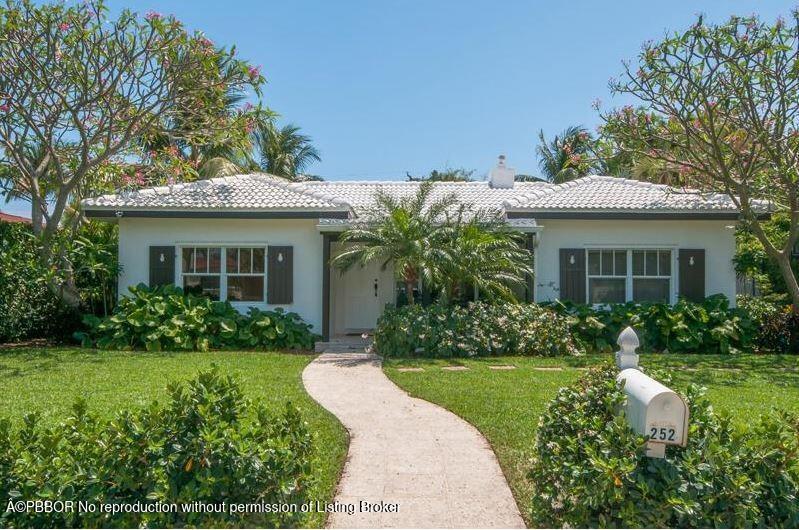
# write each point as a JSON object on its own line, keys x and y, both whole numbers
{"x": 137, "y": 234}
{"x": 716, "y": 237}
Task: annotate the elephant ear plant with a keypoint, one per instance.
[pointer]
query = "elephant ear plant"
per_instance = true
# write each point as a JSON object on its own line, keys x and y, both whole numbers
{"x": 165, "y": 318}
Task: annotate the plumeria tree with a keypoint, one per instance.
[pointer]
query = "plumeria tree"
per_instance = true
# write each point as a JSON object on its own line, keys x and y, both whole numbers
{"x": 719, "y": 103}
{"x": 84, "y": 95}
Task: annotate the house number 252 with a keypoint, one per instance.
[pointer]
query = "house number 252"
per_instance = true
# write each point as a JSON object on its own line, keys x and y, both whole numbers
{"x": 662, "y": 434}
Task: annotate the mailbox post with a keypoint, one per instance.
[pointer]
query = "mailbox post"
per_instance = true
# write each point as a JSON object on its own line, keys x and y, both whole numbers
{"x": 652, "y": 409}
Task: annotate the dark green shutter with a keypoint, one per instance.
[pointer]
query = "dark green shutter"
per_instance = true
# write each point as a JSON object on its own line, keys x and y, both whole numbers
{"x": 280, "y": 275}
{"x": 572, "y": 275}
{"x": 162, "y": 266}
{"x": 692, "y": 274}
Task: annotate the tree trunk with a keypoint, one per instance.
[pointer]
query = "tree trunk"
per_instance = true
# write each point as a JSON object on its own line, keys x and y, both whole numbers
{"x": 784, "y": 262}
{"x": 409, "y": 285}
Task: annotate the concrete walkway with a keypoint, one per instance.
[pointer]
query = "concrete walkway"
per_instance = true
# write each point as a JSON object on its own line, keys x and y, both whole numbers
{"x": 427, "y": 466}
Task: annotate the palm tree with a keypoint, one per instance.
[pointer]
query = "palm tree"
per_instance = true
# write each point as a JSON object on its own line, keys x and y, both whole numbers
{"x": 402, "y": 232}
{"x": 482, "y": 252}
{"x": 568, "y": 156}
{"x": 284, "y": 151}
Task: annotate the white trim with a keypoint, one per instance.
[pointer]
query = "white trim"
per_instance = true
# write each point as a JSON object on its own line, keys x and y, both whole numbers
{"x": 223, "y": 274}
{"x": 630, "y": 276}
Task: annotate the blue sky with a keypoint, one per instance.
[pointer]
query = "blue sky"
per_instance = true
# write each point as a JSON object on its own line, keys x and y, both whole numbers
{"x": 390, "y": 87}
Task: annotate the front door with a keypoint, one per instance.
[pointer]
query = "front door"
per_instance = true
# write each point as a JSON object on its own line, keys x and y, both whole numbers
{"x": 367, "y": 291}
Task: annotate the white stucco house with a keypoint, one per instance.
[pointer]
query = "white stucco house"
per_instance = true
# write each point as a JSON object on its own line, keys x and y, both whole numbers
{"x": 258, "y": 240}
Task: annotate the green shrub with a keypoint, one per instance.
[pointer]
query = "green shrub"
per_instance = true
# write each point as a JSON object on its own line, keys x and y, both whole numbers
{"x": 686, "y": 327}
{"x": 478, "y": 329}
{"x": 590, "y": 469}
{"x": 165, "y": 318}
{"x": 207, "y": 444}
{"x": 28, "y": 308}
{"x": 777, "y": 325}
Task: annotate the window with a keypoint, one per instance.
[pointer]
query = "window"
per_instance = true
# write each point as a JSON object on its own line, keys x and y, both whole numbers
{"x": 236, "y": 277}
{"x": 245, "y": 274}
{"x": 201, "y": 268}
{"x": 607, "y": 276}
{"x": 617, "y": 276}
{"x": 651, "y": 275}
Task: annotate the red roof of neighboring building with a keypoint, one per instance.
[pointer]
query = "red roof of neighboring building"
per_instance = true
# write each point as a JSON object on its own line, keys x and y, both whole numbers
{"x": 8, "y": 218}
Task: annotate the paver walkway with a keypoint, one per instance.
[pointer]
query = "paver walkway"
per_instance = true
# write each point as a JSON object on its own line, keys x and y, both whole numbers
{"x": 437, "y": 468}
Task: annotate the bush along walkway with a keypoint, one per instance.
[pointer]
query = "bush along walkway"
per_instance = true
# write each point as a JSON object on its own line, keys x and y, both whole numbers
{"x": 410, "y": 463}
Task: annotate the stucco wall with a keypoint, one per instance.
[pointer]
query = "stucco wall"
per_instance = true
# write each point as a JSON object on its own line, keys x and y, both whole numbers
{"x": 716, "y": 237}
{"x": 136, "y": 235}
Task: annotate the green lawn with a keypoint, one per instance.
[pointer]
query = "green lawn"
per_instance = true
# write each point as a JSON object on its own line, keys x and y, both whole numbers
{"x": 505, "y": 405}
{"x": 48, "y": 380}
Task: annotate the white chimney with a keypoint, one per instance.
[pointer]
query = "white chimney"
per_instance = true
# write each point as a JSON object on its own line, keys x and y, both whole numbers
{"x": 501, "y": 176}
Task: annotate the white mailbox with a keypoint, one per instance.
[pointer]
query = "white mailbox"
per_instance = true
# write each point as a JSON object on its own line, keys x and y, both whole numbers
{"x": 652, "y": 409}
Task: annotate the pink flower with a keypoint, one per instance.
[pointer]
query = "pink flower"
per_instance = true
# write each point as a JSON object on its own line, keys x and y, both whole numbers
{"x": 248, "y": 107}
{"x": 63, "y": 26}
{"x": 152, "y": 15}
{"x": 4, "y": 107}
{"x": 254, "y": 71}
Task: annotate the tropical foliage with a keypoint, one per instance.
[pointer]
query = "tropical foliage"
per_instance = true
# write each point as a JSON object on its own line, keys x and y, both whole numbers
{"x": 435, "y": 239}
{"x": 165, "y": 318}
{"x": 284, "y": 151}
{"x": 719, "y": 102}
{"x": 567, "y": 156}
{"x": 207, "y": 444}
{"x": 590, "y": 469}
{"x": 477, "y": 329}
{"x": 447, "y": 174}
{"x": 28, "y": 309}
{"x": 686, "y": 327}
{"x": 95, "y": 263}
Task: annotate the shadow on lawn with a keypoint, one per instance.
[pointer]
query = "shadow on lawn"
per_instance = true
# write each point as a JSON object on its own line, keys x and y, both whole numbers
{"x": 44, "y": 359}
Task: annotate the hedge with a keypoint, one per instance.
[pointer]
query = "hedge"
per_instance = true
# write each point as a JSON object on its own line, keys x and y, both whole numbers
{"x": 477, "y": 329}
{"x": 686, "y": 327}
{"x": 590, "y": 470}
{"x": 207, "y": 444}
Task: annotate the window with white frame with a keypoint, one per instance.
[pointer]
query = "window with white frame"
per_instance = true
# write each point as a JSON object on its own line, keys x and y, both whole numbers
{"x": 625, "y": 275}
{"x": 235, "y": 274}
{"x": 607, "y": 276}
{"x": 651, "y": 275}
{"x": 201, "y": 269}
{"x": 245, "y": 274}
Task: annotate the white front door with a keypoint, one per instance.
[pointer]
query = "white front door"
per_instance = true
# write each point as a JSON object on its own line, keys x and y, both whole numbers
{"x": 366, "y": 291}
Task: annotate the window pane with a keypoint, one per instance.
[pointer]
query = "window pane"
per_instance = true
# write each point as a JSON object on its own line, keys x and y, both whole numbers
{"x": 245, "y": 265}
{"x": 201, "y": 260}
{"x": 215, "y": 260}
{"x": 650, "y": 290}
{"x": 202, "y": 285}
{"x": 664, "y": 263}
{"x": 638, "y": 262}
{"x": 606, "y": 290}
{"x": 258, "y": 260}
{"x": 607, "y": 263}
{"x": 245, "y": 288}
{"x": 651, "y": 263}
{"x": 620, "y": 259}
{"x": 187, "y": 260}
{"x": 593, "y": 262}
{"x": 232, "y": 257}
